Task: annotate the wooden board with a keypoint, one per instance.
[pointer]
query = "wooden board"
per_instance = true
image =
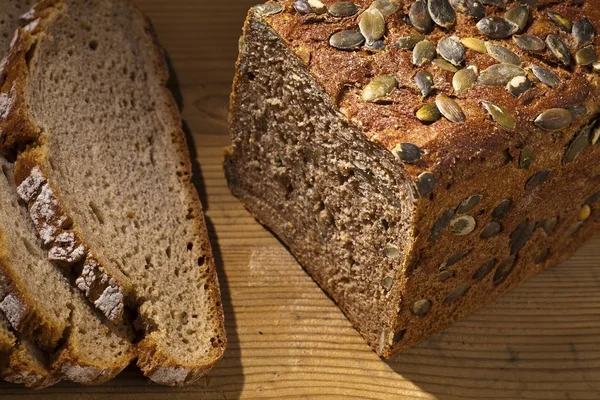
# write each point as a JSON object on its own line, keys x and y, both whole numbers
{"x": 286, "y": 337}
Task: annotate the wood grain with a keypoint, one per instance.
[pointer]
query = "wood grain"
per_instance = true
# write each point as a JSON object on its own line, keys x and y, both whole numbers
{"x": 286, "y": 337}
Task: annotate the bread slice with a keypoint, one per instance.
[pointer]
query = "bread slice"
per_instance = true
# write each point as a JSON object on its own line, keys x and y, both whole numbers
{"x": 41, "y": 305}
{"x": 113, "y": 175}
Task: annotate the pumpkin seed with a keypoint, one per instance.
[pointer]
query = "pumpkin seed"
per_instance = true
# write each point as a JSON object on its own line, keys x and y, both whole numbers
{"x": 441, "y": 224}
{"x": 500, "y": 74}
{"x": 464, "y": 79}
{"x": 521, "y": 235}
{"x": 398, "y": 336}
{"x": 502, "y": 54}
{"x": 560, "y": 21}
{"x": 593, "y": 198}
{"x": 495, "y": 3}
{"x": 579, "y": 144}
{"x": 450, "y": 108}
{"x": 484, "y": 269}
{"x": 474, "y": 44}
{"x": 423, "y": 52}
{"x": 558, "y": 48}
{"x": 542, "y": 257}
{"x": 518, "y": 15}
{"x": 585, "y": 213}
{"x": 596, "y": 66}
{"x": 549, "y": 225}
{"x": 343, "y": 9}
{"x": 462, "y": 225}
{"x": 526, "y": 158}
{"x": 302, "y": 7}
{"x": 419, "y": 16}
{"x": 420, "y": 307}
{"x": 454, "y": 259}
{"x": 545, "y": 76}
{"x": 380, "y": 86}
{"x": 573, "y": 229}
{"x": 347, "y": 40}
{"x": 386, "y": 7}
{"x": 378, "y": 45}
{"x": 266, "y": 10}
{"x": 318, "y": 6}
{"x": 504, "y": 269}
{"x": 424, "y": 81}
{"x": 445, "y": 65}
{"x": 442, "y": 13}
{"x": 586, "y": 56}
{"x": 409, "y": 42}
{"x": 500, "y": 115}
{"x": 501, "y": 211}
{"x": 583, "y": 31}
{"x": 518, "y": 85}
{"x": 537, "y": 179}
{"x": 429, "y": 113}
{"x": 529, "y": 43}
{"x": 459, "y": 5}
{"x": 469, "y": 204}
{"x": 497, "y": 27}
{"x": 387, "y": 283}
{"x": 457, "y": 293}
{"x": 445, "y": 275}
{"x": 475, "y": 9}
{"x": 391, "y": 252}
{"x": 407, "y": 153}
{"x": 492, "y": 229}
{"x": 554, "y": 119}
{"x": 426, "y": 183}
{"x": 451, "y": 50}
{"x": 372, "y": 25}
{"x": 595, "y": 136}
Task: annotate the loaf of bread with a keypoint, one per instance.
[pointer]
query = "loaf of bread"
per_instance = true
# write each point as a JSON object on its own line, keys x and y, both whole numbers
{"x": 104, "y": 170}
{"x": 419, "y": 158}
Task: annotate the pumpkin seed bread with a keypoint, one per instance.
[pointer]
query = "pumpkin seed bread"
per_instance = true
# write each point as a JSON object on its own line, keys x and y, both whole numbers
{"x": 108, "y": 184}
{"x": 418, "y": 179}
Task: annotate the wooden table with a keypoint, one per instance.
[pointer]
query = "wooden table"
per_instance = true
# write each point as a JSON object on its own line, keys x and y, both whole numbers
{"x": 286, "y": 337}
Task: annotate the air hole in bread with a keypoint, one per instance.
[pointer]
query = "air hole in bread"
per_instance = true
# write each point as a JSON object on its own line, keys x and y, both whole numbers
{"x": 30, "y": 247}
{"x": 29, "y": 55}
{"x": 201, "y": 260}
{"x": 190, "y": 246}
{"x": 251, "y": 76}
{"x": 168, "y": 251}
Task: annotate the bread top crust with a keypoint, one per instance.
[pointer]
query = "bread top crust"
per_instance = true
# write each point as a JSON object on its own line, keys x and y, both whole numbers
{"x": 345, "y": 74}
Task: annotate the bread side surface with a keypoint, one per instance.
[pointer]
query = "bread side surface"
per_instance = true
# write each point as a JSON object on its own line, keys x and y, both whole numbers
{"x": 27, "y": 365}
{"x": 139, "y": 219}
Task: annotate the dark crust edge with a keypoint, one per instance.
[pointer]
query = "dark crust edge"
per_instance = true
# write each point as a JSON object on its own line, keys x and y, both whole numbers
{"x": 18, "y": 369}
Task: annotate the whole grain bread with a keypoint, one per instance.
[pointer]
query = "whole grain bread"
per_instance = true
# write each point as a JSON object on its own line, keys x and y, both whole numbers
{"x": 112, "y": 177}
{"x": 412, "y": 195}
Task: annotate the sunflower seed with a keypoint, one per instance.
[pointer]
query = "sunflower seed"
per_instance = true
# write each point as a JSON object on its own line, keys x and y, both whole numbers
{"x": 429, "y": 113}
{"x": 530, "y": 3}
{"x": 595, "y": 136}
{"x": 457, "y": 293}
{"x": 526, "y": 158}
{"x": 419, "y": 16}
{"x": 469, "y": 204}
{"x": 426, "y": 183}
{"x": 454, "y": 259}
{"x": 343, "y": 9}
{"x": 586, "y": 56}
{"x": 549, "y": 225}
{"x": 302, "y": 7}
{"x": 502, "y": 54}
{"x": 475, "y": 9}
{"x": 579, "y": 144}
{"x": 398, "y": 336}
{"x": 424, "y": 81}
{"x": 459, "y": 5}
{"x": 445, "y": 65}
{"x": 496, "y": 27}
{"x": 391, "y": 252}
{"x": 474, "y": 44}
{"x": 441, "y": 224}
{"x": 519, "y": 85}
{"x": 573, "y": 229}
{"x": 593, "y": 198}
{"x": 493, "y": 2}
{"x": 423, "y": 52}
{"x": 560, "y": 21}
{"x": 464, "y": 79}
{"x": 542, "y": 257}
{"x": 347, "y": 40}
{"x": 380, "y": 86}
{"x": 500, "y": 74}
{"x": 387, "y": 283}
{"x": 537, "y": 179}
{"x": 500, "y": 115}
{"x": 318, "y": 6}
{"x": 378, "y": 45}
{"x": 492, "y": 229}
{"x": 504, "y": 269}
{"x": 554, "y": 119}
{"x": 407, "y": 153}
{"x": 577, "y": 111}
{"x": 520, "y": 236}
{"x": 585, "y": 213}
{"x": 386, "y": 7}
{"x": 269, "y": 9}
{"x": 518, "y": 15}
{"x": 558, "y": 48}
{"x": 450, "y": 108}
{"x": 501, "y": 211}
{"x": 372, "y": 25}
{"x": 442, "y": 13}
{"x": 462, "y": 226}
{"x": 445, "y": 275}
{"x": 242, "y": 45}
{"x": 484, "y": 269}
{"x": 420, "y": 307}
{"x": 450, "y": 49}
{"x": 545, "y": 76}
{"x": 583, "y": 31}
{"x": 409, "y": 42}
{"x": 529, "y": 43}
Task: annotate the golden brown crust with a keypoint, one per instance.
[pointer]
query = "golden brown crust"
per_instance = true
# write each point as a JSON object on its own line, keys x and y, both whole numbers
{"x": 21, "y": 369}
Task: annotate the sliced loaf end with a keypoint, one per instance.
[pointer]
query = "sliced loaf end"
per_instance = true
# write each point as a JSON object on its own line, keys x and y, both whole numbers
{"x": 28, "y": 365}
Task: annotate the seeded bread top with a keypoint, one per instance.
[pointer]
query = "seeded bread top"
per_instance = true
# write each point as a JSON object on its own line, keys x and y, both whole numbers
{"x": 380, "y": 77}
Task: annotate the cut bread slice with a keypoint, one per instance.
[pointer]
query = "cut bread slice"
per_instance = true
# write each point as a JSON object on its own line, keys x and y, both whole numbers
{"x": 113, "y": 175}
{"x": 40, "y": 304}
